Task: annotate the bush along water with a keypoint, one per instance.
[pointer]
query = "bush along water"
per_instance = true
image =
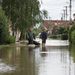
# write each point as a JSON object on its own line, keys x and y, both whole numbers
{"x": 5, "y": 37}
{"x": 64, "y": 33}
{"x": 72, "y": 34}
{"x": 73, "y": 37}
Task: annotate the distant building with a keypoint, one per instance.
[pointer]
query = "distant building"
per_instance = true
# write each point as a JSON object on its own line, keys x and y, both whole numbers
{"x": 59, "y": 23}
{"x": 54, "y": 24}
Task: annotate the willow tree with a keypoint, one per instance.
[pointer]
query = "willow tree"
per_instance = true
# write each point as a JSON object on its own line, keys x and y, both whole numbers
{"x": 22, "y": 13}
{"x": 44, "y": 14}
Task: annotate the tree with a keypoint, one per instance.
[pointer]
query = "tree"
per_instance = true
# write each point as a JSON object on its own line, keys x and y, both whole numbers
{"x": 44, "y": 14}
{"x": 4, "y": 29}
{"x": 23, "y": 14}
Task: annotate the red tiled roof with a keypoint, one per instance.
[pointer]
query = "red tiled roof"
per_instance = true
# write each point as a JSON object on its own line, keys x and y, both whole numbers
{"x": 48, "y": 23}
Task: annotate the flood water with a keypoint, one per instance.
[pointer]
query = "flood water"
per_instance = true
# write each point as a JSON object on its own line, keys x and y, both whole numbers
{"x": 57, "y": 59}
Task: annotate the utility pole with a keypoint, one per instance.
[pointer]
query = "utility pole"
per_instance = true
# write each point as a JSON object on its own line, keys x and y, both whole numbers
{"x": 66, "y": 12}
{"x": 62, "y": 15}
{"x": 70, "y": 9}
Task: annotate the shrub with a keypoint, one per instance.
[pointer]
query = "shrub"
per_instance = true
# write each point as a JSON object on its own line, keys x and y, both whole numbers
{"x": 64, "y": 37}
{"x": 73, "y": 37}
{"x": 61, "y": 30}
{"x": 53, "y": 37}
{"x": 4, "y": 29}
{"x": 10, "y": 39}
{"x": 70, "y": 32}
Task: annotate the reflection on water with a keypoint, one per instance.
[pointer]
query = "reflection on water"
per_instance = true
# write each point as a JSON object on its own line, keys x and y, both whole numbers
{"x": 6, "y": 68}
{"x": 72, "y": 52}
{"x": 16, "y": 61}
{"x": 54, "y": 61}
{"x": 43, "y": 50}
{"x": 48, "y": 60}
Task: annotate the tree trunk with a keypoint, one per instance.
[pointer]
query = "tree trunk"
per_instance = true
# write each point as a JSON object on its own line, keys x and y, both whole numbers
{"x": 22, "y": 36}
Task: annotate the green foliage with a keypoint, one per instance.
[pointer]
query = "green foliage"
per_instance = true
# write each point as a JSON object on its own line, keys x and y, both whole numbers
{"x": 10, "y": 39}
{"x": 53, "y": 37}
{"x": 61, "y": 30}
{"x": 73, "y": 37}
{"x": 70, "y": 32}
{"x": 44, "y": 14}
{"x": 64, "y": 33}
{"x": 4, "y": 29}
{"x": 64, "y": 37}
{"x": 23, "y": 13}
{"x": 36, "y": 31}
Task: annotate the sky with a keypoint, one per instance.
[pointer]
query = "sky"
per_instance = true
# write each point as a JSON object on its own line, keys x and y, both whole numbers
{"x": 55, "y": 8}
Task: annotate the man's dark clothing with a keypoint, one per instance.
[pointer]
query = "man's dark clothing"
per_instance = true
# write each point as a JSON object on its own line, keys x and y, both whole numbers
{"x": 43, "y": 36}
{"x": 30, "y": 37}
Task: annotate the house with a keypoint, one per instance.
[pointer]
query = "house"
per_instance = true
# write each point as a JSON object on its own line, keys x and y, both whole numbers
{"x": 54, "y": 24}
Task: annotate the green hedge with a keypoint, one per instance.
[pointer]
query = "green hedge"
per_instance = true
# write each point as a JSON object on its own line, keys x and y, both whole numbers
{"x": 53, "y": 37}
{"x": 71, "y": 33}
{"x": 10, "y": 39}
{"x": 4, "y": 29}
{"x": 73, "y": 37}
{"x": 64, "y": 37}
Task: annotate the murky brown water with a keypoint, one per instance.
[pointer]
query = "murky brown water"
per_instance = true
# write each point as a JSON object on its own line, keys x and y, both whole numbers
{"x": 16, "y": 61}
{"x": 48, "y": 60}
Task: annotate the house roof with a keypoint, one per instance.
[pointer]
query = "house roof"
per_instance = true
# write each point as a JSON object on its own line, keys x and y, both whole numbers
{"x": 48, "y": 23}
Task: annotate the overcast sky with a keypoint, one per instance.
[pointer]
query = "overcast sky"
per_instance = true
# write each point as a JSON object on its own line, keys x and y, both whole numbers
{"x": 55, "y": 7}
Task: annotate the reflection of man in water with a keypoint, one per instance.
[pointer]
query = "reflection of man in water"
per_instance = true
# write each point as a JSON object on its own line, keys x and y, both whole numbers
{"x": 31, "y": 50}
{"x": 44, "y": 50}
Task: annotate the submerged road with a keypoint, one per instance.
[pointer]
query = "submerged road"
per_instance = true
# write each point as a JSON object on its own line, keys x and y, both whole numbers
{"x": 56, "y": 58}
{"x": 52, "y": 42}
